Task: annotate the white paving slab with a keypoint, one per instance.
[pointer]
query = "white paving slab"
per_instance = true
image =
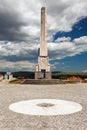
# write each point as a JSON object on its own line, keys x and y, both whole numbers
{"x": 45, "y": 107}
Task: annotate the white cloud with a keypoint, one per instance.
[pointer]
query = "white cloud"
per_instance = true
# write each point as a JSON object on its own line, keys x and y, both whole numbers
{"x": 85, "y": 71}
{"x": 61, "y": 50}
{"x": 17, "y": 66}
{"x": 64, "y": 13}
{"x": 31, "y": 30}
{"x": 63, "y": 39}
{"x": 81, "y": 40}
{"x": 18, "y": 49}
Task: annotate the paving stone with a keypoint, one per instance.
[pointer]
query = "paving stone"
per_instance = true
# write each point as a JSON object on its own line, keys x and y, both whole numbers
{"x": 13, "y": 93}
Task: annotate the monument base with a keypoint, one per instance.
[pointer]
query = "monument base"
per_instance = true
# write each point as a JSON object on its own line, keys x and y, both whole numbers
{"x": 42, "y": 75}
{"x": 42, "y": 81}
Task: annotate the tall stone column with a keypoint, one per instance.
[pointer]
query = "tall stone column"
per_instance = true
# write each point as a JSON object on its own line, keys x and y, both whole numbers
{"x": 43, "y": 37}
{"x": 43, "y": 67}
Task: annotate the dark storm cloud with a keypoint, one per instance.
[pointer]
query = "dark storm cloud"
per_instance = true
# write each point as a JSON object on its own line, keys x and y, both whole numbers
{"x": 18, "y": 20}
{"x": 57, "y": 8}
{"x": 10, "y": 25}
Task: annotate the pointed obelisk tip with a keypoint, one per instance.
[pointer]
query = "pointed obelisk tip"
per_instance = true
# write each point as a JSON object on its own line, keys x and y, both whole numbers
{"x": 43, "y": 8}
{"x": 43, "y": 4}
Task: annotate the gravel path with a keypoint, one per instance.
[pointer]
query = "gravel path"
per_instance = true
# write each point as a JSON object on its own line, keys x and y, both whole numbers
{"x": 13, "y": 93}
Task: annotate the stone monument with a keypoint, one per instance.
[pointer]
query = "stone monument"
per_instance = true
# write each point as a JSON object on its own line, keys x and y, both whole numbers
{"x": 43, "y": 67}
{"x": 8, "y": 76}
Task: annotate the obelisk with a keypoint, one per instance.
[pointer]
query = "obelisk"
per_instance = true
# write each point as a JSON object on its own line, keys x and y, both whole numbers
{"x": 43, "y": 40}
{"x": 43, "y": 67}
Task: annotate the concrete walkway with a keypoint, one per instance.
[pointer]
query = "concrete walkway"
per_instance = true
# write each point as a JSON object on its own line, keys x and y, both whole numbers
{"x": 13, "y": 93}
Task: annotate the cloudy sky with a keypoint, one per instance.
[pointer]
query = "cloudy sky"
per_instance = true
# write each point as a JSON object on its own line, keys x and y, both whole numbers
{"x": 20, "y": 34}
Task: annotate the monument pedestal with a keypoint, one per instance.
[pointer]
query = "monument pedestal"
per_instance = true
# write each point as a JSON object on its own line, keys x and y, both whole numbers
{"x": 42, "y": 81}
{"x": 41, "y": 75}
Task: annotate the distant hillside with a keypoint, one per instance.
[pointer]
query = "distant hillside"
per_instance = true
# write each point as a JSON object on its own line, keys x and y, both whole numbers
{"x": 2, "y": 72}
{"x": 61, "y": 75}
{"x": 55, "y": 75}
{"x": 23, "y": 74}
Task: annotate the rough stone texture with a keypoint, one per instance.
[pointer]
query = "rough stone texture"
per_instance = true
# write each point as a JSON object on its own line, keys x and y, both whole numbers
{"x": 38, "y": 75}
{"x": 48, "y": 75}
{"x": 13, "y": 93}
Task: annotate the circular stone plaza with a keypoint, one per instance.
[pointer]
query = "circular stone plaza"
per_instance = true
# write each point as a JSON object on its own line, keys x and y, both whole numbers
{"x": 43, "y": 107}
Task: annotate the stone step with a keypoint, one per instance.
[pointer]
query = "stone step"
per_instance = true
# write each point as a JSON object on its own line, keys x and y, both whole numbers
{"x": 42, "y": 81}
